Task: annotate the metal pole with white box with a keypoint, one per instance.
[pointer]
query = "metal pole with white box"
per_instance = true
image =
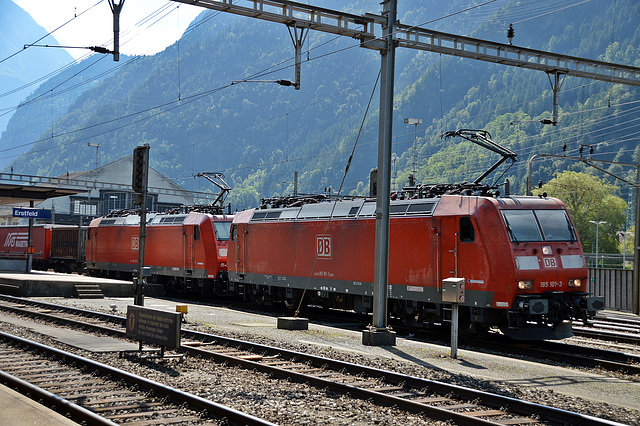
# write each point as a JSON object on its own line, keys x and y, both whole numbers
{"x": 453, "y": 292}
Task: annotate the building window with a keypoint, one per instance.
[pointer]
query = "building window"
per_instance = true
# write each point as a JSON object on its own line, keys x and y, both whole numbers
{"x": 84, "y": 208}
{"x": 113, "y": 201}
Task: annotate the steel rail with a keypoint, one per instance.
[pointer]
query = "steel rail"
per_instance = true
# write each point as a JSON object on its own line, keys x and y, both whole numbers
{"x": 61, "y": 405}
{"x": 606, "y": 335}
{"x": 494, "y": 400}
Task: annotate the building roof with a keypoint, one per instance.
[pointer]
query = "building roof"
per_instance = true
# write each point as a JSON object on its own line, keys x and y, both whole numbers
{"x": 13, "y": 194}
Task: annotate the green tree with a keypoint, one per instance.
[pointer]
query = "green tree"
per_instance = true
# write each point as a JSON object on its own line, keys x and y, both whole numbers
{"x": 588, "y": 200}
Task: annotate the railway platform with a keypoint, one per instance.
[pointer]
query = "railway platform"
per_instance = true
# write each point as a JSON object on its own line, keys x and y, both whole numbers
{"x": 53, "y": 284}
{"x": 16, "y": 409}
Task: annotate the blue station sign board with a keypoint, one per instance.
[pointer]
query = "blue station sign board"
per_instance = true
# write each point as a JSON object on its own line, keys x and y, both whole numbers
{"x": 32, "y": 213}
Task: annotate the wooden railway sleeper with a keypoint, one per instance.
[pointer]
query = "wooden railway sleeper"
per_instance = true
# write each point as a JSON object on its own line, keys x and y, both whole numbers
{"x": 48, "y": 384}
{"x": 86, "y": 388}
{"x": 127, "y": 416}
{"x": 129, "y": 398}
{"x": 139, "y": 406}
{"x": 21, "y": 370}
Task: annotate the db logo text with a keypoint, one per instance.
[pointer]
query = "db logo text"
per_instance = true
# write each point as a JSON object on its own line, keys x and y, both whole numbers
{"x": 323, "y": 246}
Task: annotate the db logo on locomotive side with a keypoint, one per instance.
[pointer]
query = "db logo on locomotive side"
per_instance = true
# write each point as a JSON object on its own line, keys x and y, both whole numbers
{"x": 550, "y": 262}
{"x": 323, "y": 246}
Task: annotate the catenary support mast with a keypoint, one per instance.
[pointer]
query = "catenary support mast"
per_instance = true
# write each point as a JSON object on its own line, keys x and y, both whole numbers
{"x": 380, "y": 334}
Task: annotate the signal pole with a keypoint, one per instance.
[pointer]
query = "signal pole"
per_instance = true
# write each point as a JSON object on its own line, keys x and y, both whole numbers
{"x": 140, "y": 181}
{"x": 636, "y": 245}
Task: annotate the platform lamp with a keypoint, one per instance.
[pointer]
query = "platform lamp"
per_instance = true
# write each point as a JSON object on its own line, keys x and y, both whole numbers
{"x": 415, "y": 122}
{"x": 598, "y": 223}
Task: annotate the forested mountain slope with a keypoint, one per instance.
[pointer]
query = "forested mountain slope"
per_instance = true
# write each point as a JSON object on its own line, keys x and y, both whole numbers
{"x": 190, "y": 104}
{"x": 20, "y": 67}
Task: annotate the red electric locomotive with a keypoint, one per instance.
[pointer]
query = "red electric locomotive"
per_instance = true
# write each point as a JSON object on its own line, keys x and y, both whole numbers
{"x": 520, "y": 257}
{"x": 186, "y": 250}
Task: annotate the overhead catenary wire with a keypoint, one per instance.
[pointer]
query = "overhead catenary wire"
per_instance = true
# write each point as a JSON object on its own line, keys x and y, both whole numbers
{"x": 51, "y": 32}
{"x": 68, "y": 66}
{"x": 162, "y": 9}
{"x": 336, "y": 51}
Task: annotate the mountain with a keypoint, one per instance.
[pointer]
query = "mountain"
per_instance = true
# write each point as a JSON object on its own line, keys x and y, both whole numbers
{"x": 21, "y": 70}
{"x": 191, "y": 103}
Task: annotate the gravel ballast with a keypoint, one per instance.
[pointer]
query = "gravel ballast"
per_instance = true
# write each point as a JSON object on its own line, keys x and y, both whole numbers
{"x": 588, "y": 392}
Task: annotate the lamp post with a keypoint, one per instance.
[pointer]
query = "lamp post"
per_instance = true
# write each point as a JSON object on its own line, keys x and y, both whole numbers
{"x": 624, "y": 246}
{"x": 97, "y": 147}
{"x": 415, "y": 122}
{"x": 598, "y": 223}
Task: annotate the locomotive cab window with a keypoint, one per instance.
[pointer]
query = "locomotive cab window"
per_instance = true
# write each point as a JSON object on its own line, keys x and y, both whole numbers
{"x": 223, "y": 230}
{"x": 521, "y": 225}
{"x": 196, "y": 233}
{"x": 467, "y": 231}
{"x": 555, "y": 225}
{"x": 234, "y": 232}
{"x": 538, "y": 225}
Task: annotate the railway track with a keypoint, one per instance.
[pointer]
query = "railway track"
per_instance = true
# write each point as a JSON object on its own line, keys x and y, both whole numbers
{"x": 566, "y": 353}
{"x": 437, "y": 400}
{"x": 611, "y": 327}
{"x": 98, "y": 394}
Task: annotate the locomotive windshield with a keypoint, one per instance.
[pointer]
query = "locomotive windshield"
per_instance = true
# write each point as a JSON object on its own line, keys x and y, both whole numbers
{"x": 222, "y": 230}
{"x": 538, "y": 225}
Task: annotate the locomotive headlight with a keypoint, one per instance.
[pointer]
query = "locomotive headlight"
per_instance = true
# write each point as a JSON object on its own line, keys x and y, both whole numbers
{"x": 223, "y": 264}
{"x": 546, "y": 250}
{"x": 576, "y": 282}
{"x": 525, "y": 284}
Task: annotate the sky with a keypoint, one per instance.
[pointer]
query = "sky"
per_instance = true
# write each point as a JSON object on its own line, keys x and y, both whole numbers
{"x": 138, "y": 35}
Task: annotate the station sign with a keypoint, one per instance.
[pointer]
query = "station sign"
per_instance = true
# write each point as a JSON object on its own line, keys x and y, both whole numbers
{"x": 154, "y": 326}
{"x": 32, "y": 213}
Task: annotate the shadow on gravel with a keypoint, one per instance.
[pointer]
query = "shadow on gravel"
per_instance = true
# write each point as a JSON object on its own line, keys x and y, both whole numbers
{"x": 417, "y": 361}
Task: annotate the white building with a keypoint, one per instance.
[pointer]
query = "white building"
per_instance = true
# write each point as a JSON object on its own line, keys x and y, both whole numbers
{"x": 112, "y": 191}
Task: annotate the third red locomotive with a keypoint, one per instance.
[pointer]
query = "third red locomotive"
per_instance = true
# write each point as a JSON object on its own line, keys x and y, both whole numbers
{"x": 185, "y": 249}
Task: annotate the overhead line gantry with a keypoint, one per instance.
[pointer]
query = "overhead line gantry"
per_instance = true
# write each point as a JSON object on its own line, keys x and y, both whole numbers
{"x": 384, "y": 34}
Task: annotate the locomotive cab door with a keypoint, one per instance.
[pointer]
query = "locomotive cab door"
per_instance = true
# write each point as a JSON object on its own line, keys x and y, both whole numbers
{"x": 192, "y": 235}
{"x": 448, "y": 248}
{"x": 238, "y": 265}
